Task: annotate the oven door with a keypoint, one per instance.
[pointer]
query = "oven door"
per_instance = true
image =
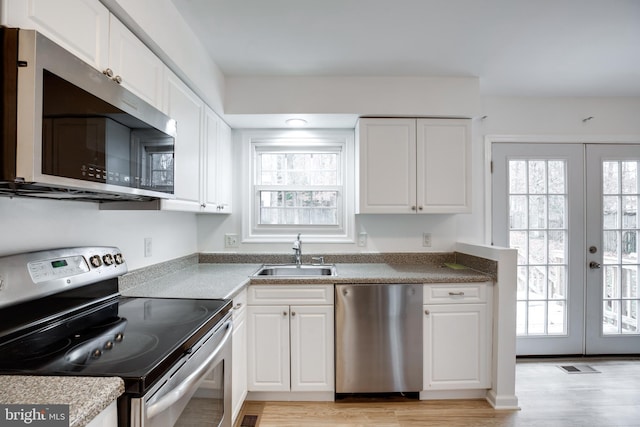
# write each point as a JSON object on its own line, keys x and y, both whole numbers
{"x": 170, "y": 401}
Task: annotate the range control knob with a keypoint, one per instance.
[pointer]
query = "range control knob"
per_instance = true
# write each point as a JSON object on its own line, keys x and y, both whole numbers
{"x": 96, "y": 353}
{"x": 119, "y": 337}
{"x": 108, "y": 345}
{"x": 108, "y": 259}
{"x": 118, "y": 258}
{"x": 95, "y": 261}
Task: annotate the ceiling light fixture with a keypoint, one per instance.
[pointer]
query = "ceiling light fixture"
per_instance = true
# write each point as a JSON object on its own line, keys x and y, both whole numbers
{"x": 296, "y": 123}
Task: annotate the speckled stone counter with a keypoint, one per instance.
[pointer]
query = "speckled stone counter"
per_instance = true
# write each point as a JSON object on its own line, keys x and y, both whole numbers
{"x": 86, "y": 397}
{"x": 196, "y": 281}
{"x": 226, "y": 280}
{"x": 385, "y": 273}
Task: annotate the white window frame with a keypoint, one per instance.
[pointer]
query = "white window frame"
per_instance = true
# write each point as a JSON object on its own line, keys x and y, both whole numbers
{"x": 252, "y": 232}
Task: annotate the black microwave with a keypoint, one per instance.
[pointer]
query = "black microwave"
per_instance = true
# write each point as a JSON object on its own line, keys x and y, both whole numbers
{"x": 70, "y": 132}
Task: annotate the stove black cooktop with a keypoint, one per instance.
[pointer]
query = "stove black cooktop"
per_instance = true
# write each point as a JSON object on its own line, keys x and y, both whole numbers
{"x": 136, "y": 339}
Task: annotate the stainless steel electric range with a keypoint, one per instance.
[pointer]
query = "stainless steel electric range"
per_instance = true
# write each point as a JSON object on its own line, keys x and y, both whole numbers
{"x": 63, "y": 315}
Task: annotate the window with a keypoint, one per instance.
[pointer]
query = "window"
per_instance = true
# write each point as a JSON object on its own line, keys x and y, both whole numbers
{"x": 300, "y": 184}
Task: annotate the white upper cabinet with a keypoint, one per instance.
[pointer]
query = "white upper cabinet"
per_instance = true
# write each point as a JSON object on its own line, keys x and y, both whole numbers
{"x": 81, "y": 26}
{"x": 89, "y": 31}
{"x": 414, "y": 166}
{"x": 216, "y": 164}
{"x": 187, "y": 109}
{"x": 140, "y": 69}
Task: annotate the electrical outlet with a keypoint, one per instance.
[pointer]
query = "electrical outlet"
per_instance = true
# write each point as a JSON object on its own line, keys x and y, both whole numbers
{"x": 230, "y": 240}
{"x": 362, "y": 239}
{"x": 426, "y": 240}
{"x": 147, "y": 247}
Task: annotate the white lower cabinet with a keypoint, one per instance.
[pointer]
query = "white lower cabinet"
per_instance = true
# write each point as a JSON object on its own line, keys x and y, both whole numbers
{"x": 239, "y": 354}
{"x": 108, "y": 417}
{"x": 290, "y": 339}
{"x": 457, "y": 337}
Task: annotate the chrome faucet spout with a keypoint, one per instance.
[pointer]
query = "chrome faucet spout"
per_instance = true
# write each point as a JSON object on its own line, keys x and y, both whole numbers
{"x": 297, "y": 248}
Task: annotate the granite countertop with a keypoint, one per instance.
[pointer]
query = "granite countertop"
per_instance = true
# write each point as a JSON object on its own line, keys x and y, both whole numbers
{"x": 226, "y": 280}
{"x": 86, "y": 397}
{"x": 197, "y": 281}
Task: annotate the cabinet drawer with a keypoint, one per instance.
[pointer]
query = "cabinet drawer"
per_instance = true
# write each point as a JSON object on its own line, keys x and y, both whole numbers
{"x": 239, "y": 303}
{"x": 290, "y": 294}
{"x": 455, "y": 293}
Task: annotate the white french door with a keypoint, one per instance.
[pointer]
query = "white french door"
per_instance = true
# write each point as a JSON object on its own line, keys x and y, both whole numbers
{"x": 571, "y": 211}
{"x": 613, "y": 325}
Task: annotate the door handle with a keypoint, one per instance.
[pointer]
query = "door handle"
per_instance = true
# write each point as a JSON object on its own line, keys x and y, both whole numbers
{"x": 594, "y": 265}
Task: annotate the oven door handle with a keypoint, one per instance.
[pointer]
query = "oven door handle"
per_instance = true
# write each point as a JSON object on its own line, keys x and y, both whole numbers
{"x": 181, "y": 390}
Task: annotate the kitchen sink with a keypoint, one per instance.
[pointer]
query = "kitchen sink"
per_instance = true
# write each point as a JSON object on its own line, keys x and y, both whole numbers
{"x": 296, "y": 270}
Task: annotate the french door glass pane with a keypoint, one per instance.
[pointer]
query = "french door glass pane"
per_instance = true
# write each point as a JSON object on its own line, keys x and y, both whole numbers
{"x": 538, "y": 230}
{"x": 620, "y": 247}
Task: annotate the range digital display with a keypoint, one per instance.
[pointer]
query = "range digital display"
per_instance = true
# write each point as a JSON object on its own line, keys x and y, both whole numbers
{"x": 59, "y": 263}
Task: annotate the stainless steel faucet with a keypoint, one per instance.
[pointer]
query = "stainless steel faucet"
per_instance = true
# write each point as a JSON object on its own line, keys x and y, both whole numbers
{"x": 297, "y": 247}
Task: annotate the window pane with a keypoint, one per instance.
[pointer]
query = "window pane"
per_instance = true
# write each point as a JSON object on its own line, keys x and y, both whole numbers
{"x": 299, "y": 207}
{"x": 517, "y": 177}
{"x": 630, "y": 178}
{"x": 557, "y": 247}
{"x": 298, "y": 169}
{"x": 557, "y": 211}
{"x": 610, "y": 178}
{"x": 537, "y": 212}
{"x": 537, "y": 176}
{"x": 556, "y": 177}
{"x": 557, "y": 318}
{"x": 518, "y": 212}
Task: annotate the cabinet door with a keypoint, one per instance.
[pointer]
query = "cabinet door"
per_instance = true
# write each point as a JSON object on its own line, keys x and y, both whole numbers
{"x": 268, "y": 348}
{"x": 186, "y": 108}
{"x": 456, "y": 347}
{"x": 216, "y": 164}
{"x": 312, "y": 358}
{"x": 224, "y": 176}
{"x": 239, "y": 354}
{"x": 141, "y": 71}
{"x": 387, "y": 166}
{"x": 80, "y": 26}
{"x": 209, "y": 161}
{"x": 444, "y": 165}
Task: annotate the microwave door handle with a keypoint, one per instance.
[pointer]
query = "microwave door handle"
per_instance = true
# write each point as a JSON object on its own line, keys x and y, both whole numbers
{"x": 179, "y": 391}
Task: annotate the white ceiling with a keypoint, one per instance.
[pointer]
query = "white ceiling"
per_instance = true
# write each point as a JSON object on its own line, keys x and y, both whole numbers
{"x": 515, "y": 47}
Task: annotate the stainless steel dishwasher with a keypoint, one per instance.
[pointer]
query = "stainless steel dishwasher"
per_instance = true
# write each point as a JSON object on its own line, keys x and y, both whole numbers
{"x": 378, "y": 338}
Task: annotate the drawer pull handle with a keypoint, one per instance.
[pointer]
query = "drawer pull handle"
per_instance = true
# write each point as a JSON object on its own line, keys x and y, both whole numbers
{"x": 238, "y": 305}
{"x": 456, "y": 294}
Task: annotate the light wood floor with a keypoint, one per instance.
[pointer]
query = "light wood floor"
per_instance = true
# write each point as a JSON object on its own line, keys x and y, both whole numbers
{"x": 548, "y": 397}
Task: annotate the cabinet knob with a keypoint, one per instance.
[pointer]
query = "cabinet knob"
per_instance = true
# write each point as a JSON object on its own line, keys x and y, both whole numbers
{"x": 117, "y": 79}
{"x": 284, "y": 313}
{"x": 108, "y": 72}
{"x": 413, "y": 208}
{"x": 420, "y": 208}
{"x": 426, "y": 312}
{"x": 293, "y": 313}
{"x": 203, "y": 205}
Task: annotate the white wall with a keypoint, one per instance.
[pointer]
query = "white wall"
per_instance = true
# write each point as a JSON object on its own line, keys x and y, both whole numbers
{"x": 28, "y": 224}
{"x": 385, "y": 96}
